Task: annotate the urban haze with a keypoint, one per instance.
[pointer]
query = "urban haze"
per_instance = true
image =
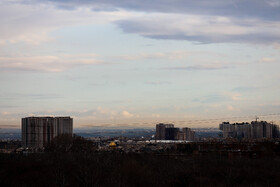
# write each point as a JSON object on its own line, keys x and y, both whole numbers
{"x": 139, "y": 93}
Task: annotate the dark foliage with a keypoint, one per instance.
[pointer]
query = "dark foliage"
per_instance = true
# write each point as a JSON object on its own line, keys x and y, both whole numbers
{"x": 74, "y": 162}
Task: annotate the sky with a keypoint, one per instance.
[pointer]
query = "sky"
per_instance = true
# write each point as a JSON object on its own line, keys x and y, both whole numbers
{"x": 138, "y": 62}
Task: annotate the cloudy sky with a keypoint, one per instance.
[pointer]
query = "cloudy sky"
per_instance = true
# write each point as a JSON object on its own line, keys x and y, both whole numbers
{"x": 137, "y": 62}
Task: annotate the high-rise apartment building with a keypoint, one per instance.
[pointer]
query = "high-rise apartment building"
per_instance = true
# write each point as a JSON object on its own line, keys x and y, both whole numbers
{"x": 188, "y": 134}
{"x": 37, "y": 132}
{"x": 169, "y": 132}
{"x": 160, "y": 130}
{"x": 253, "y": 130}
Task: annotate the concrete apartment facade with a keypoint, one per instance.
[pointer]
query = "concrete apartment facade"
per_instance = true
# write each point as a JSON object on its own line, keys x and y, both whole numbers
{"x": 169, "y": 132}
{"x": 253, "y": 130}
{"x": 160, "y": 130}
{"x": 37, "y": 132}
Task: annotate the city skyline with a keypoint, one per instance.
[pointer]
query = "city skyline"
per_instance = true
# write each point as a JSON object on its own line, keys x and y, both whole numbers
{"x": 138, "y": 63}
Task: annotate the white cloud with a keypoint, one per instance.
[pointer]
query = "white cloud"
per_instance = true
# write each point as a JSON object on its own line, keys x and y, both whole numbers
{"x": 5, "y": 113}
{"x": 45, "y": 63}
{"x": 233, "y": 96}
{"x": 32, "y": 23}
{"x": 230, "y": 108}
{"x": 267, "y": 59}
{"x": 101, "y": 112}
{"x": 274, "y": 3}
{"x": 126, "y": 114}
{"x": 156, "y": 115}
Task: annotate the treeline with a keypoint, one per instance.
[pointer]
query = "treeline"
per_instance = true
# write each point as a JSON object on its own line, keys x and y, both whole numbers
{"x": 75, "y": 162}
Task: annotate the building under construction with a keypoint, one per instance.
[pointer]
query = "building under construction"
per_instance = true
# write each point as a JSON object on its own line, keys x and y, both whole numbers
{"x": 37, "y": 132}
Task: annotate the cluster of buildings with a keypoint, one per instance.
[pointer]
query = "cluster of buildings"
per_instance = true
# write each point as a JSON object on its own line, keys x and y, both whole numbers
{"x": 138, "y": 146}
{"x": 169, "y": 132}
{"x": 37, "y": 132}
{"x": 253, "y": 130}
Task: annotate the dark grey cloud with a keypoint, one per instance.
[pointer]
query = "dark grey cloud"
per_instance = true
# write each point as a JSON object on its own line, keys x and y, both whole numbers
{"x": 203, "y": 29}
{"x": 266, "y": 9}
{"x": 203, "y": 21}
{"x": 204, "y": 39}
